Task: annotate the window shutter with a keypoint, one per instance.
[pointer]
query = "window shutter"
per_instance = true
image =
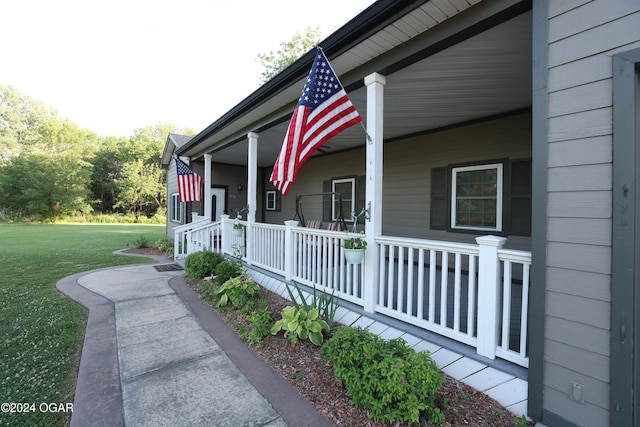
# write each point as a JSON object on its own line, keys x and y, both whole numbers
{"x": 326, "y": 202}
{"x": 520, "y": 198}
{"x": 439, "y": 216}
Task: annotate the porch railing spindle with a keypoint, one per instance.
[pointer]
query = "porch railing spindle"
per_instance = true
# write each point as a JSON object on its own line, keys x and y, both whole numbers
{"x": 420, "y": 301}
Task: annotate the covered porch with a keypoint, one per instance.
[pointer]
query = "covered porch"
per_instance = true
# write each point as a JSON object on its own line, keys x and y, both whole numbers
{"x": 450, "y": 96}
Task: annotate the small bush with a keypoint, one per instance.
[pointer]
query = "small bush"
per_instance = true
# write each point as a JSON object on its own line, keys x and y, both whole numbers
{"x": 165, "y": 245}
{"x": 226, "y": 270}
{"x": 142, "y": 242}
{"x": 261, "y": 320}
{"x": 203, "y": 263}
{"x": 389, "y": 378}
{"x": 207, "y": 289}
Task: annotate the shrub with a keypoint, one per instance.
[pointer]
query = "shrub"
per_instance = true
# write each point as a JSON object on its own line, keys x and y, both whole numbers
{"x": 203, "y": 263}
{"x": 300, "y": 323}
{"x": 260, "y": 325}
{"x": 207, "y": 289}
{"x": 237, "y": 290}
{"x": 389, "y": 378}
{"x": 227, "y": 269}
{"x": 142, "y": 242}
{"x": 165, "y": 245}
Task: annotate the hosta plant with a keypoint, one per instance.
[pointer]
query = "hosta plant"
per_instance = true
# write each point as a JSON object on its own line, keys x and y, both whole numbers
{"x": 301, "y": 324}
{"x": 238, "y": 290}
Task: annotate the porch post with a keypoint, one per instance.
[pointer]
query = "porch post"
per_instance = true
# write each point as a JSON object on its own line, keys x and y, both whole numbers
{"x": 225, "y": 230}
{"x": 289, "y": 249}
{"x": 208, "y": 209}
{"x": 488, "y": 294}
{"x": 252, "y": 182}
{"x": 373, "y": 196}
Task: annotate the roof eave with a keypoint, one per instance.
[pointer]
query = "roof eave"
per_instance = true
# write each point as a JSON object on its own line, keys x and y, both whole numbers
{"x": 348, "y": 35}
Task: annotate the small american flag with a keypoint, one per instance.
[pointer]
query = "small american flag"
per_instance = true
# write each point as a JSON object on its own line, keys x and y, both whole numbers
{"x": 189, "y": 183}
{"x": 323, "y": 111}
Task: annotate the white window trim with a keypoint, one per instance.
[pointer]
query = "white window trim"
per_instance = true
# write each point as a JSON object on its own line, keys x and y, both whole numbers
{"x": 176, "y": 208}
{"x": 273, "y": 194}
{"x": 499, "y": 195}
{"x": 334, "y": 217}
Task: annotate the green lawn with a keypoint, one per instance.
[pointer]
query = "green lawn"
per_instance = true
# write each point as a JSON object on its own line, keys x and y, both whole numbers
{"x": 41, "y": 331}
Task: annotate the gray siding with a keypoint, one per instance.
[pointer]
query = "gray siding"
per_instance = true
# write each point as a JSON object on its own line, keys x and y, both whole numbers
{"x": 222, "y": 175}
{"x": 172, "y": 188}
{"x": 407, "y": 174}
{"x": 583, "y": 35}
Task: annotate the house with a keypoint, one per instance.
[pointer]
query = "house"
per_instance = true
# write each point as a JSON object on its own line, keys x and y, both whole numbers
{"x": 498, "y": 189}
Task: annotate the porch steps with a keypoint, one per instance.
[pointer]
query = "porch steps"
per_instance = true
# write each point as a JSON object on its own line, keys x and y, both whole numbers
{"x": 508, "y": 388}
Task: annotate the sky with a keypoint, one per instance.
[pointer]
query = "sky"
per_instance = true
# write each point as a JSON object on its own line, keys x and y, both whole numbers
{"x": 114, "y": 66}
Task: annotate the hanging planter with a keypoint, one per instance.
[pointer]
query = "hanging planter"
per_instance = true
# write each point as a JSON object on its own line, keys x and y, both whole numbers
{"x": 354, "y": 248}
{"x": 354, "y": 256}
{"x": 237, "y": 227}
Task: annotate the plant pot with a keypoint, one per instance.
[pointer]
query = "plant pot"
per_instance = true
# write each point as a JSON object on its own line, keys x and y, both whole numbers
{"x": 237, "y": 232}
{"x": 354, "y": 256}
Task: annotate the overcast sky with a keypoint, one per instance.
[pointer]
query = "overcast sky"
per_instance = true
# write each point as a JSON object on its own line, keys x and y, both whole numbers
{"x": 113, "y": 66}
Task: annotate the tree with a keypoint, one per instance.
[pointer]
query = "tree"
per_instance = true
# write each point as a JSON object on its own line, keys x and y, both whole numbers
{"x": 289, "y": 52}
{"x": 141, "y": 185}
{"x": 45, "y": 185}
{"x": 107, "y": 169}
{"x": 49, "y": 167}
{"x": 46, "y": 172}
{"x": 21, "y": 118}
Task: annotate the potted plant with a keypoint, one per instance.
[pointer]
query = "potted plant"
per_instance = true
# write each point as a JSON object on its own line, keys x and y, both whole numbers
{"x": 237, "y": 227}
{"x": 354, "y": 248}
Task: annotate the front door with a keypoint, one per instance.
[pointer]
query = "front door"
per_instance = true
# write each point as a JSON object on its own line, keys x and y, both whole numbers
{"x": 218, "y": 203}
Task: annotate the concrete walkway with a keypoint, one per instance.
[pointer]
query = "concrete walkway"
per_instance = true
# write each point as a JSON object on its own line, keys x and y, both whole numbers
{"x": 155, "y": 355}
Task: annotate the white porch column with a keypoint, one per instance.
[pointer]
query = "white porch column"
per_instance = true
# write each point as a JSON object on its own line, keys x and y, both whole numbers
{"x": 488, "y": 294}
{"x": 252, "y": 191}
{"x": 289, "y": 249}
{"x": 226, "y": 234}
{"x": 373, "y": 197}
{"x": 208, "y": 209}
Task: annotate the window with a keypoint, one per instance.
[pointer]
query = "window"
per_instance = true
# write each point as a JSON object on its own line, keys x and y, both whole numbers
{"x": 489, "y": 197}
{"x": 271, "y": 203}
{"x": 175, "y": 208}
{"x": 352, "y": 191}
{"x": 476, "y": 199}
{"x": 347, "y": 189}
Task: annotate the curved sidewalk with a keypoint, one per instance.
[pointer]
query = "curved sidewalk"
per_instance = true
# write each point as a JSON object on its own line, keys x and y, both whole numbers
{"x": 154, "y": 354}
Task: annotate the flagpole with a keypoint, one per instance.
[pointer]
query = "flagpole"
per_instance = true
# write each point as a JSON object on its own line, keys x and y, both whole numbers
{"x": 365, "y": 132}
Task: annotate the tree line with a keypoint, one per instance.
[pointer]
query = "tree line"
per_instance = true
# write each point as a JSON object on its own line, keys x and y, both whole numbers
{"x": 51, "y": 168}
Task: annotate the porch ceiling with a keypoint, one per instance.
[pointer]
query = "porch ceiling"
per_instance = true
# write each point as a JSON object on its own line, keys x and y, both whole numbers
{"x": 483, "y": 76}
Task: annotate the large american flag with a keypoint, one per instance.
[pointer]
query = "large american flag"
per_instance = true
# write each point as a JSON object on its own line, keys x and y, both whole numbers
{"x": 323, "y": 111}
{"x": 189, "y": 183}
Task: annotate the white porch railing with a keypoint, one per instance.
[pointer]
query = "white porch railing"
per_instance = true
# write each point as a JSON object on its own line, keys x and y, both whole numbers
{"x": 430, "y": 284}
{"x": 318, "y": 261}
{"x": 191, "y": 237}
{"x": 269, "y": 247}
{"x": 474, "y": 294}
